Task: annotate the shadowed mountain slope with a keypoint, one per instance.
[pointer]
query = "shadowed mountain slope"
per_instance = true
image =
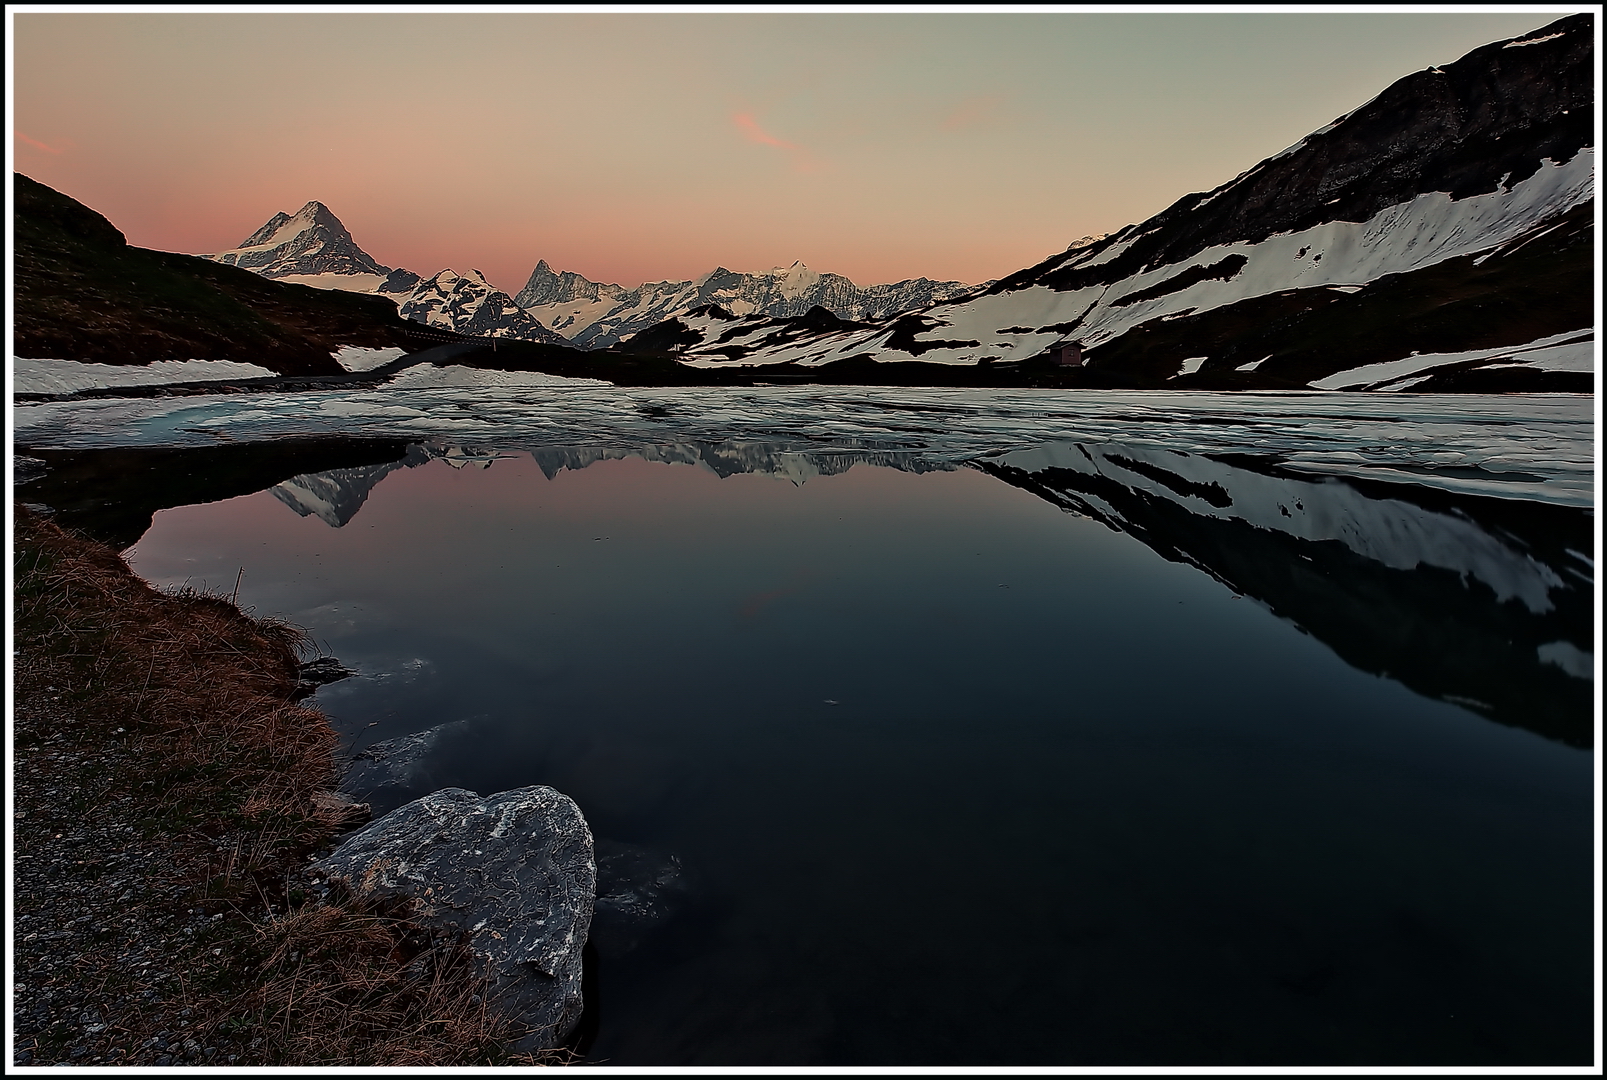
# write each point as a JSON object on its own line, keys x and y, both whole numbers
{"x": 83, "y": 293}
{"x": 1438, "y": 237}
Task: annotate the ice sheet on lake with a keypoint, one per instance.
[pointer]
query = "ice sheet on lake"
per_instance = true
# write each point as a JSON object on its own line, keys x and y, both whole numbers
{"x": 32, "y": 376}
{"x": 430, "y": 376}
{"x": 1537, "y": 446}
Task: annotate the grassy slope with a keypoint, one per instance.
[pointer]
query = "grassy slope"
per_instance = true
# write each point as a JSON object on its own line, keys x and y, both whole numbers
{"x": 82, "y": 293}
{"x": 168, "y": 789}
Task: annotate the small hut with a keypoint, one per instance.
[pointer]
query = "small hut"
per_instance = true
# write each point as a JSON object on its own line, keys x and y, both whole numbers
{"x": 1067, "y": 353}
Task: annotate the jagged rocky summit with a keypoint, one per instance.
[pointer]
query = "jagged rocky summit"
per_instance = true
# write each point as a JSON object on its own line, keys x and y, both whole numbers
{"x": 1438, "y": 237}
{"x": 83, "y": 295}
{"x": 313, "y": 248}
{"x": 469, "y": 304}
{"x": 596, "y": 316}
{"x": 514, "y": 872}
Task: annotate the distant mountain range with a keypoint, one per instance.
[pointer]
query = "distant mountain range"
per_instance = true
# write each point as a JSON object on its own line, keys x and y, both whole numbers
{"x": 596, "y": 316}
{"x": 1438, "y": 237}
{"x": 469, "y": 304}
{"x": 314, "y": 248}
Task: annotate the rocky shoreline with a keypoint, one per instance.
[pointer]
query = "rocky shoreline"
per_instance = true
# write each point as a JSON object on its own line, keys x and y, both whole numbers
{"x": 169, "y": 798}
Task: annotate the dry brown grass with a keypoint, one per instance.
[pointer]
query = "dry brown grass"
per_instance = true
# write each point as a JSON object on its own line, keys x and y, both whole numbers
{"x": 227, "y": 773}
{"x": 205, "y": 687}
{"x": 344, "y": 984}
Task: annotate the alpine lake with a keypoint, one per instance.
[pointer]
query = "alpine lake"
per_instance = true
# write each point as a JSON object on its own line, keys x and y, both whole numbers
{"x": 954, "y": 727}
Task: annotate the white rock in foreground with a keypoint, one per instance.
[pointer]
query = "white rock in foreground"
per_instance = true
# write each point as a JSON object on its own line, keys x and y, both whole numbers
{"x": 514, "y": 871}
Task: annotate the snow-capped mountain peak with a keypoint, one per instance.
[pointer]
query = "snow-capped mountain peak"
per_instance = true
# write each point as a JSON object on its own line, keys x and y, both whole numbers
{"x": 312, "y": 247}
{"x": 469, "y": 304}
{"x": 794, "y": 280}
{"x": 311, "y": 244}
{"x": 596, "y": 316}
{"x": 282, "y": 227}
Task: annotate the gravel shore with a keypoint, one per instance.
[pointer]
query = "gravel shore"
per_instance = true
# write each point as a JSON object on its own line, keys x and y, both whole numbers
{"x": 168, "y": 796}
{"x": 112, "y": 924}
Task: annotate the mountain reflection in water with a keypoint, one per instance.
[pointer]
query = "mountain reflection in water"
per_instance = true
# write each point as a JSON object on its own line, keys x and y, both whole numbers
{"x": 1483, "y": 602}
{"x": 1479, "y": 601}
{"x": 890, "y": 768}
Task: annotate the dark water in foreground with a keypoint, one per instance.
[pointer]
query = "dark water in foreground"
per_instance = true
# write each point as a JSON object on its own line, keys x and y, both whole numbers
{"x": 953, "y": 776}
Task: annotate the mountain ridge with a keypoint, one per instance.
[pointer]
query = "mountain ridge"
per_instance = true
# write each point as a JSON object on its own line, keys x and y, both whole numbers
{"x": 597, "y": 315}
{"x": 313, "y": 247}
{"x": 81, "y": 292}
{"x": 469, "y": 304}
{"x": 1454, "y": 210}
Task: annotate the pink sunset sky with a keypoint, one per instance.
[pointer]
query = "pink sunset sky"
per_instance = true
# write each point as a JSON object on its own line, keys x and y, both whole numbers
{"x": 642, "y": 147}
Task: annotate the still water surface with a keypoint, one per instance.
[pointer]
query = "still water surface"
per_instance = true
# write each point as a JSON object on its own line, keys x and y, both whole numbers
{"x": 943, "y": 774}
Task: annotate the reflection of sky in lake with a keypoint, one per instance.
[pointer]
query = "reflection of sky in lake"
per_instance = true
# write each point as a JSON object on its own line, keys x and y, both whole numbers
{"x": 956, "y": 777}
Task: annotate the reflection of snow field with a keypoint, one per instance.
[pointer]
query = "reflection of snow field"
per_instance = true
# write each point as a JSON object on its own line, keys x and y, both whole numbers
{"x": 1569, "y": 657}
{"x": 69, "y": 376}
{"x": 1538, "y": 446}
{"x": 1395, "y": 533}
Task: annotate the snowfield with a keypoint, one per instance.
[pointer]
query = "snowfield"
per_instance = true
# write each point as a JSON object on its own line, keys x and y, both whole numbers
{"x": 356, "y": 358}
{"x": 1574, "y": 350}
{"x": 431, "y": 377}
{"x": 358, "y": 283}
{"x": 1408, "y": 236}
{"x": 30, "y": 376}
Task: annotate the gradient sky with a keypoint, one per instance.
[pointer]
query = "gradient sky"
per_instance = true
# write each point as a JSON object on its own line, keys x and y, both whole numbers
{"x": 643, "y": 147}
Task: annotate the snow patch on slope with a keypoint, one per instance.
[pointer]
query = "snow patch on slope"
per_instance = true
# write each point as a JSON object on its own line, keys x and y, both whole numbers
{"x": 1574, "y": 350}
{"x": 1532, "y": 41}
{"x": 358, "y": 283}
{"x": 356, "y": 358}
{"x": 1428, "y": 229}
